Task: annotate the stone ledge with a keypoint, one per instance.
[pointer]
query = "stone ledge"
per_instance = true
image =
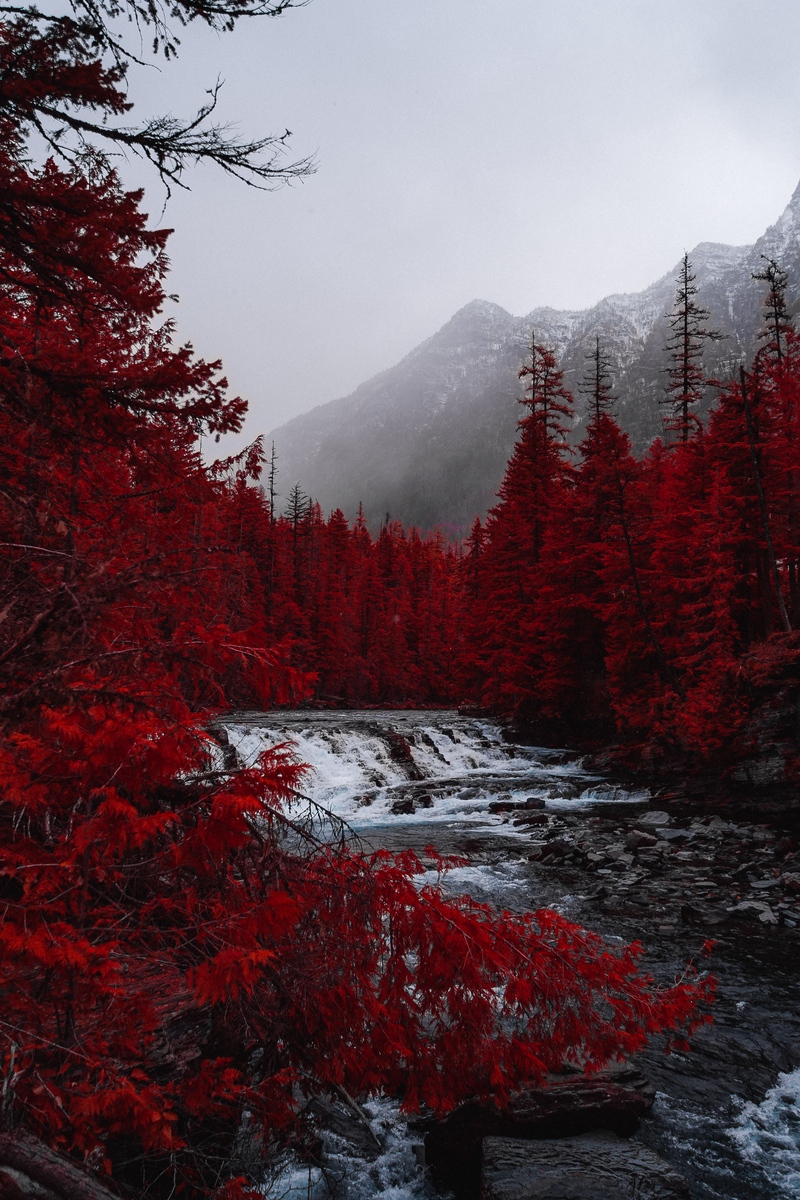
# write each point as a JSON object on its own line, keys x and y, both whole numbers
{"x": 597, "y": 1166}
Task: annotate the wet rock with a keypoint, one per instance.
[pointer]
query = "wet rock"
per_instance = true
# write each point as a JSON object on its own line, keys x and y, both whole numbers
{"x": 400, "y": 752}
{"x": 231, "y": 759}
{"x": 753, "y": 910}
{"x": 532, "y": 819}
{"x": 595, "y": 1167}
{"x": 654, "y": 819}
{"x": 425, "y": 800}
{"x": 638, "y": 839}
{"x": 615, "y": 1100}
{"x": 532, "y": 803}
{"x": 703, "y": 914}
{"x": 403, "y": 808}
{"x": 558, "y": 847}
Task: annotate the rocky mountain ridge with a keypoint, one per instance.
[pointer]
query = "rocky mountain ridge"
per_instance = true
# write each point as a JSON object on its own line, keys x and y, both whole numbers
{"x": 427, "y": 441}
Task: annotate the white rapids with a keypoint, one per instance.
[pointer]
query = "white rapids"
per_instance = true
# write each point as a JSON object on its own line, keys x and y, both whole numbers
{"x": 398, "y": 777}
{"x": 454, "y": 764}
{"x": 768, "y": 1134}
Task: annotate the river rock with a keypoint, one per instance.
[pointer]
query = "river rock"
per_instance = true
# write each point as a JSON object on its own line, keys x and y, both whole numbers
{"x": 653, "y": 819}
{"x": 403, "y": 808}
{"x": 400, "y": 752}
{"x": 594, "y": 1167}
{"x": 615, "y": 1099}
{"x": 754, "y": 910}
{"x": 638, "y": 839}
{"x": 693, "y": 913}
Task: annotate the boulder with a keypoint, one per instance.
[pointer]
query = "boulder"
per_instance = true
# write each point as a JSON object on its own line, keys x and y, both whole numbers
{"x": 615, "y": 1099}
{"x": 638, "y": 839}
{"x": 754, "y": 910}
{"x": 694, "y": 913}
{"x": 400, "y": 752}
{"x": 654, "y": 819}
{"x": 593, "y": 1167}
{"x": 403, "y": 808}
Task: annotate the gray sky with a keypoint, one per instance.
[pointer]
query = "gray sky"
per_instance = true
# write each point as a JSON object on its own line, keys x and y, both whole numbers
{"x": 522, "y": 151}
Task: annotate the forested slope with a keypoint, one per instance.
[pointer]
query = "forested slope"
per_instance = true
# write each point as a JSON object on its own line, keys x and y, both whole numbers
{"x": 427, "y": 441}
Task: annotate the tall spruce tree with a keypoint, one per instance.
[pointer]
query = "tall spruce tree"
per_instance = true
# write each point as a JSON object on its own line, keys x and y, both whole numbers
{"x": 778, "y": 323}
{"x": 688, "y": 335}
{"x": 597, "y": 381}
{"x": 529, "y": 495}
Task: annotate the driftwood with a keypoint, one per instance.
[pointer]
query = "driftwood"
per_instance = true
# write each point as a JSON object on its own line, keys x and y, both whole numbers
{"x": 31, "y": 1162}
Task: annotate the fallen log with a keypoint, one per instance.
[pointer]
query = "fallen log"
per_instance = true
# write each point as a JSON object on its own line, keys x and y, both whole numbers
{"x": 26, "y": 1156}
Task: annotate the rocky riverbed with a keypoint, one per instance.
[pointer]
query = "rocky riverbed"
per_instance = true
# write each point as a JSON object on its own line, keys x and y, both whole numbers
{"x": 699, "y": 870}
{"x": 541, "y": 829}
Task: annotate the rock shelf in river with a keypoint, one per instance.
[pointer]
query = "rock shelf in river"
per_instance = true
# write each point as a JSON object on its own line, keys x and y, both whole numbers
{"x": 594, "y": 1167}
{"x": 613, "y": 1100}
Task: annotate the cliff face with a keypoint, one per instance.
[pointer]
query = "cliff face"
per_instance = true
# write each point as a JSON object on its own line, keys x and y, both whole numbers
{"x": 428, "y": 440}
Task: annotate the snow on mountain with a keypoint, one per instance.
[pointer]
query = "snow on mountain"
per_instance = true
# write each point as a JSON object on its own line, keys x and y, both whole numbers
{"x": 427, "y": 440}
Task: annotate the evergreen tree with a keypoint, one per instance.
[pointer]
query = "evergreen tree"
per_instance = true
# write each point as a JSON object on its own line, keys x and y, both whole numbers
{"x": 597, "y": 382}
{"x": 778, "y": 323}
{"x": 687, "y": 382}
{"x": 537, "y": 474}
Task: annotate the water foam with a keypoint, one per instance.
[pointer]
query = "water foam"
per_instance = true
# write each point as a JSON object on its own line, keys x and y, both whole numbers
{"x": 768, "y": 1134}
{"x": 394, "y": 1174}
{"x": 462, "y": 765}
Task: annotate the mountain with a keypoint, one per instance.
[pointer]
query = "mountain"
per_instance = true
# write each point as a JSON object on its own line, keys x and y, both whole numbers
{"x": 428, "y": 440}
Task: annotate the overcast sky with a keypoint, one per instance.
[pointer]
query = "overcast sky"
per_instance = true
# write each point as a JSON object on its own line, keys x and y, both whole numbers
{"x": 521, "y": 151}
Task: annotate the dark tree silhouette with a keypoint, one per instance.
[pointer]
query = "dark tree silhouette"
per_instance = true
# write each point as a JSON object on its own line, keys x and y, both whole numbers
{"x": 65, "y": 77}
{"x": 778, "y": 323}
{"x": 688, "y": 335}
{"x": 598, "y": 381}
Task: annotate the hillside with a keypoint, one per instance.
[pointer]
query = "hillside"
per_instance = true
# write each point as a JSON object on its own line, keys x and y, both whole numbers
{"x": 428, "y": 440}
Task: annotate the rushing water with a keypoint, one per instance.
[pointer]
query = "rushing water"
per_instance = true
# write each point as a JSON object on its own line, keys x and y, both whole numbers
{"x": 728, "y": 1113}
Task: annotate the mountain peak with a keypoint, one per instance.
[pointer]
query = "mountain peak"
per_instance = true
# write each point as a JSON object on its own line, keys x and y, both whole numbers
{"x": 783, "y": 238}
{"x": 479, "y": 311}
{"x": 428, "y": 440}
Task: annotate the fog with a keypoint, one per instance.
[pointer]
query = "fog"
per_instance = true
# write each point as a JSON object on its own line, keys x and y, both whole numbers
{"x": 525, "y": 151}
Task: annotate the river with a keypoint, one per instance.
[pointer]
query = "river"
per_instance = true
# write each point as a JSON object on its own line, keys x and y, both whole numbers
{"x": 727, "y": 1114}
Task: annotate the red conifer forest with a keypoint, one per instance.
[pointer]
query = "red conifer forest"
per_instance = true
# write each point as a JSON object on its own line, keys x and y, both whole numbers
{"x": 653, "y": 603}
{"x": 184, "y": 954}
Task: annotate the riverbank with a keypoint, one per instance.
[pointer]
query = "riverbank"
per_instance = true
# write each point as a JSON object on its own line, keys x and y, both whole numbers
{"x": 544, "y": 827}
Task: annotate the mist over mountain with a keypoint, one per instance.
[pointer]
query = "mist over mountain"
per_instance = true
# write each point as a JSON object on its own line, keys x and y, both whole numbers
{"x": 427, "y": 441}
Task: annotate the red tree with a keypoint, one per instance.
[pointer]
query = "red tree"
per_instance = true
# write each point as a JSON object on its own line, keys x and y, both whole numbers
{"x": 180, "y": 946}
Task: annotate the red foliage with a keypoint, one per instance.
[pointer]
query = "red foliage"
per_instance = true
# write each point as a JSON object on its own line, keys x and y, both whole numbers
{"x": 638, "y": 600}
{"x": 179, "y": 947}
